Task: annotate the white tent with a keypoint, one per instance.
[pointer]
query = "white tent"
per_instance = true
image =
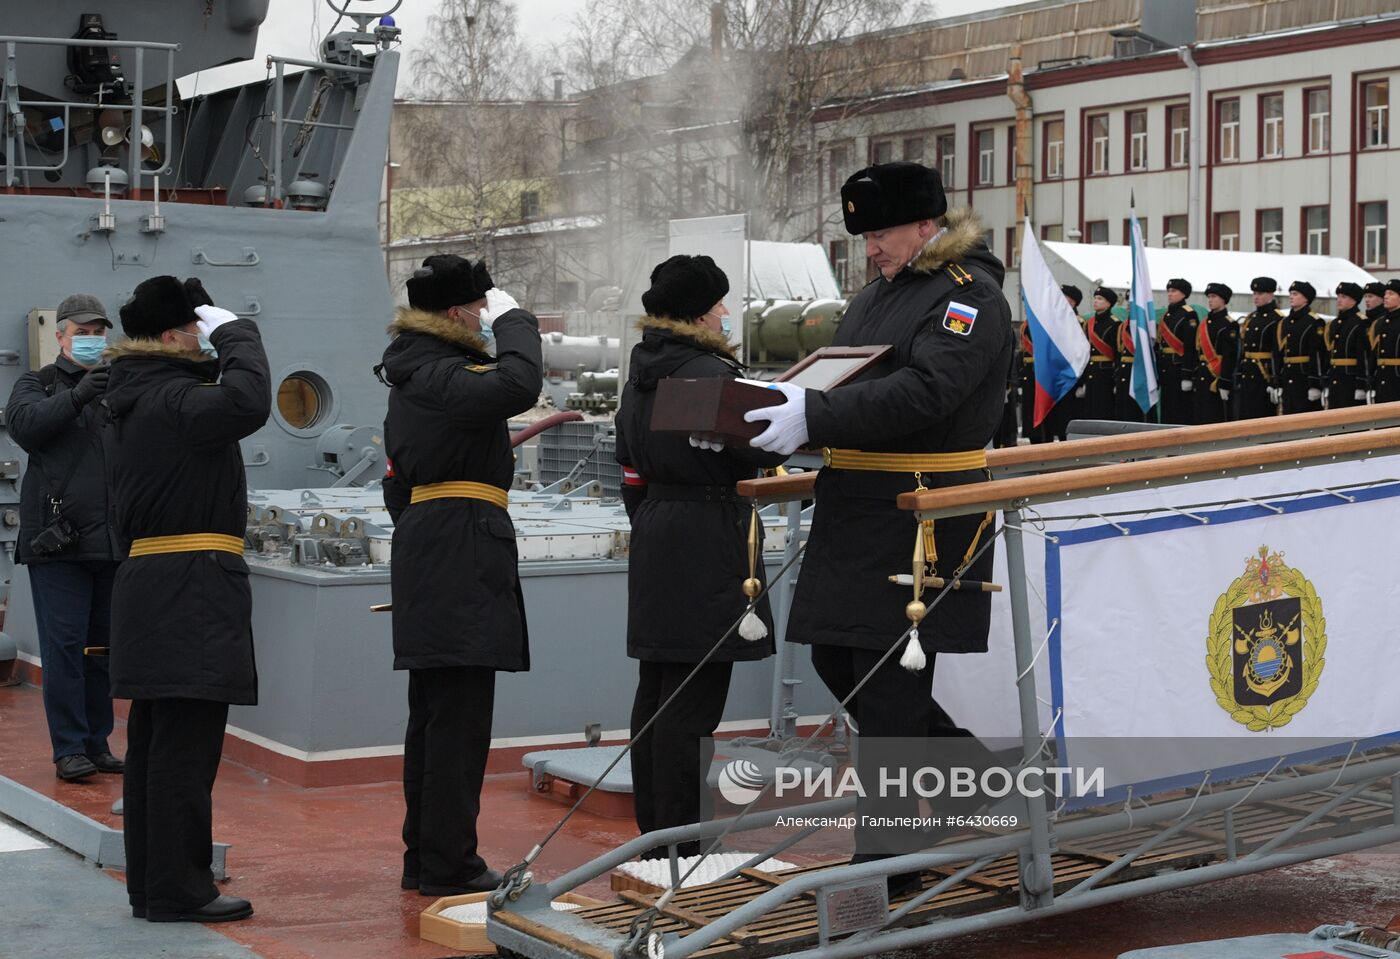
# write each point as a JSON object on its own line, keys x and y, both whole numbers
{"x": 790, "y": 271}
{"x": 1088, "y": 264}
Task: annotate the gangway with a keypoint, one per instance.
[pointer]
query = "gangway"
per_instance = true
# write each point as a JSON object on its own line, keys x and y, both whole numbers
{"x": 1301, "y": 808}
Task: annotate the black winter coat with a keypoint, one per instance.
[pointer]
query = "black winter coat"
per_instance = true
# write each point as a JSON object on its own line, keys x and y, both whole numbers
{"x": 1176, "y": 362}
{"x": 689, "y": 554}
{"x": 940, "y": 393}
{"x": 1349, "y": 359}
{"x": 182, "y": 622}
{"x": 62, "y": 441}
{"x": 1101, "y": 374}
{"x": 1219, "y": 334}
{"x": 1255, "y": 372}
{"x": 455, "y": 585}
{"x": 1302, "y": 360}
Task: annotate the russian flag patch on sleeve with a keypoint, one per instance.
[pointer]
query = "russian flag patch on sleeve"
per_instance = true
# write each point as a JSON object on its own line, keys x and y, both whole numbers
{"x": 959, "y": 318}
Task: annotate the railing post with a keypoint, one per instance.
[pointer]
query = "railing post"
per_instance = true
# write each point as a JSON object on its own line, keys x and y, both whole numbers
{"x": 782, "y": 719}
{"x": 1037, "y": 872}
{"x": 274, "y": 189}
{"x": 11, "y": 94}
{"x": 138, "y": 102}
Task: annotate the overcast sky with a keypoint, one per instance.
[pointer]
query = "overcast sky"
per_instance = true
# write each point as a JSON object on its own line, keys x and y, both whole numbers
{"x": 294, "y": 28}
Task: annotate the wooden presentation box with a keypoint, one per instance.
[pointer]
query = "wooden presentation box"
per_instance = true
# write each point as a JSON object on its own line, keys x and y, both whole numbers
{"x": 714, "y": 407}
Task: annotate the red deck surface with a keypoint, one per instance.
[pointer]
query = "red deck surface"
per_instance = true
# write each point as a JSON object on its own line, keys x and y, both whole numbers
{"x": 322, "y": 867}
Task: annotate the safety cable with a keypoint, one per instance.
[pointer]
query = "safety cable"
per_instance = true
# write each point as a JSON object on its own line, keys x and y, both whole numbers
{"x": 642, "y": 922}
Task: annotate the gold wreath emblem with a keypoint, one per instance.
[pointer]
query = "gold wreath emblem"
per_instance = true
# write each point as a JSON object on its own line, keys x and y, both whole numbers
{"x": 1266, "y": 644}
{"x": 850, "y": 207}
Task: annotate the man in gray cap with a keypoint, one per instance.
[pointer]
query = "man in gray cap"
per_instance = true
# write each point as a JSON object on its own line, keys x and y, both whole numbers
{"x": 65, "y": 538}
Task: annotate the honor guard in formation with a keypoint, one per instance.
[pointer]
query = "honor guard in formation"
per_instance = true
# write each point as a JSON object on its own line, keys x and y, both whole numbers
{"x": 458, "y": 614}
{"x": 681, "y": 500}
{"x": 924, "y": 422}
{"x": 1216, "y": 346}
{"x": 1348, "y": 350}
{"x": 1100, "y": 375}
{"x": 1176, "y": 355}
{"x": 1385, "y": 341}
{"x": 1302, "y": 352}
{"x": 1255, "y": 393}
{"x": 189, "y": 383}
{"x": 1373, "y": 301}
{"x": 1125, "y": 405}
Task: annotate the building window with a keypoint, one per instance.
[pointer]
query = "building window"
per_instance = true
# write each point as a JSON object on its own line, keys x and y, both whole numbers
{"x": 1137, "y": 140}
{"x": 882, "y": 151}
{"x": 838, "y": 162}
{"x": 798, "y": 193}
{"x": 1052, "y": 165}
{"x": 1271, "y": 126}
{"x": 1375, "y": 121}
{"x": 1013, "y": 252}
{"x": 1011, "y": 155}
{"x": 986, "y": 156}
{"x": 839, "y": 259}
{"x": 1268, "y": 231}
{"x": 1316, "y": 230}
{"x": 1373, "y": 234}
{"x": 1227, "y": 231}
{"x": 1179, "y": 135}
{"x": 529, "y": 205}
{"x": 947, "y": 159}
{"x": 1228, "y": 126}
{"x": 1096, "y": 231}
{"x": 1098, "y": 145}
{"x": 566, "y": 293}
{"x": 1052, "y": 231}
{"x": 914, "y": 149}
{"x": 1174, "y": 229}
{"x": 1319, "y": 105}
{"x": 1128, "y": 229}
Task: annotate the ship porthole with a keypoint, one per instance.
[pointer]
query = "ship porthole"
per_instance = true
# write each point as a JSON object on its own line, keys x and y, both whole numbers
{"x": 305, "y": 403}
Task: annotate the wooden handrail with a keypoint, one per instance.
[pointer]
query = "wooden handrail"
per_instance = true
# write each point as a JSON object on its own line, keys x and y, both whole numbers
{"x": 1192, "y": 467}
{"x": 1181, "y": 439}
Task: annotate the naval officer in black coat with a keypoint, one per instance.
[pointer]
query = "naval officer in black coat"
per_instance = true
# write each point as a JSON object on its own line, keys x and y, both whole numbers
{"x": 689, "y": 555}
{"x": 1302, "y": 352}
{"x": 924, "y": 418}
{"x": 1348, "y": 350}
{"x": 189, "y": 383}
{"x": 458, "y": 612}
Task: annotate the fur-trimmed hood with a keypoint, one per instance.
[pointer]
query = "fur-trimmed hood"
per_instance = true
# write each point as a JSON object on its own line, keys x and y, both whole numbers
{"x": 668, "y": 345}
{"x": 131, "y": 379}
{"x": 962, "y": 239}
{"x": 407, "y": 319}
{"x": 146, "y": 348}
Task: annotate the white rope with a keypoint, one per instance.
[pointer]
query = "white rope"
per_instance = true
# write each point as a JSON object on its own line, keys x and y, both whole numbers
{"x": 1268, "y": 506}
{"x": 1199, "y": 789}
{"x": 1203, "y": 520}
{"x": 1118, "y": 526}
{"x": 1344, "y": 765}
{"x": 1054, "y": 623}
{"x": 1262, "y": 779}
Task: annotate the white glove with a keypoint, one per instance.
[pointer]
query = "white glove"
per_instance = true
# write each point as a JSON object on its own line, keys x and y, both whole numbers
{"x": 1224, "y": 394}
{"x": 211, "y": 318}
{"x": 1080, "y": 391}
{"x": 498, "y": 303}
{"x": 1187, "y": 386}
{"x": 787, "y": 422}
{"x": 700, "y": 443}
{"x": 1359, "y": 396}
{"x": 1314, "y": 395}
{"x": 1275, "y": 395}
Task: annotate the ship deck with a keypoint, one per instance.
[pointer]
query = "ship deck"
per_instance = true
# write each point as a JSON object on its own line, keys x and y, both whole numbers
{"x": 321, "y": 866}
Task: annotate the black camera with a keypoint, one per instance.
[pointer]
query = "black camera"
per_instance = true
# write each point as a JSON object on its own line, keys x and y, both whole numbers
{"x": 54, "y": 538}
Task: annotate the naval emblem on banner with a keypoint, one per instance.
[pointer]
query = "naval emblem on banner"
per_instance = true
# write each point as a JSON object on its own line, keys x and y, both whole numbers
{"x": 1266, "y": 644}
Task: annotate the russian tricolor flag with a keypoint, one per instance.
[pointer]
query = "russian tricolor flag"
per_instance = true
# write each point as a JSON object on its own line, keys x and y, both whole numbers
{"x": 1061, "y": 348}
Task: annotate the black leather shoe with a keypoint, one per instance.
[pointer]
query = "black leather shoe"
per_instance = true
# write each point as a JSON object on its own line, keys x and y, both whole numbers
{"x": 219, "y": 909}
{"x": 107, "y": 763}
{"x": 408, "y": 881}
{"x": 71, "y": 769}
{"x": 138, "y": 912}
{"x": 485, "y": 882}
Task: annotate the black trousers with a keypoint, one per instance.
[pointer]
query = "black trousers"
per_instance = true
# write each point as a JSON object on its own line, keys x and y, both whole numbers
{"x": 444, "y": 763}
{"x": 172, "y": 756}
{"x": 670, "y": 760}
{"x": 893, "y": 704}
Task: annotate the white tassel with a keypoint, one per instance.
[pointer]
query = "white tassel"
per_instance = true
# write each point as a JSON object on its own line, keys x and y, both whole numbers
{"x": 751, "y": 627}
{"x": 913, "y": 658}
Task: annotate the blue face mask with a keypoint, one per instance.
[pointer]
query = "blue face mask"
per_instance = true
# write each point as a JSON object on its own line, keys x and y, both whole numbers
{"x": 87, "y": 350}
{"x": 724, "y": 326}
{"x": 206, "y": 346}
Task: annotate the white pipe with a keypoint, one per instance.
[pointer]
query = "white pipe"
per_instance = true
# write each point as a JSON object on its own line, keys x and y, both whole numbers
{"x": 595, "y": 354}
{"x": 1194, "y": 215}
{"x": 107, "y": 190}
{"x": 155, "y": 210}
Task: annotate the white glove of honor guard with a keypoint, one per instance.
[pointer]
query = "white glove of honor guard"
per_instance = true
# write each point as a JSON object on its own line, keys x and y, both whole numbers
{"x": 498, "y": 303}
{"x": 1359, "y": 396}
{"x": 699, "y": 443}
{"x": 1187, "y": 386}
{"x": 211, "y": 318}
{"x": 1080, "y": 391}
{"x": 1370, "y": 396}
{"x": 787, "y": 422}
{"x": 1314, "y": 395}
{"x": 1275, "y": 395}
{"x": 1224, "y": 395}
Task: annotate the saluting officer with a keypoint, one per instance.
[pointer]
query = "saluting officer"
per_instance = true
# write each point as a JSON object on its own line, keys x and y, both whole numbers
{"x": 189, "y": 383}
{"x": 1255, "y": 392}
{"x": 1176, "y": 355}
{"x": 1348, "y": 350}
{"x": 1099, "y": 376}
{"x": 924, "y": 420}
{"x": 687, "y": 508}
{"x": 1385, "y": 342}
{"x": 1302, "y": 352}
{"x": 1217, "y": 344}
{"x": 458, "y": 612}
{"x": 1125, "y": 406}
